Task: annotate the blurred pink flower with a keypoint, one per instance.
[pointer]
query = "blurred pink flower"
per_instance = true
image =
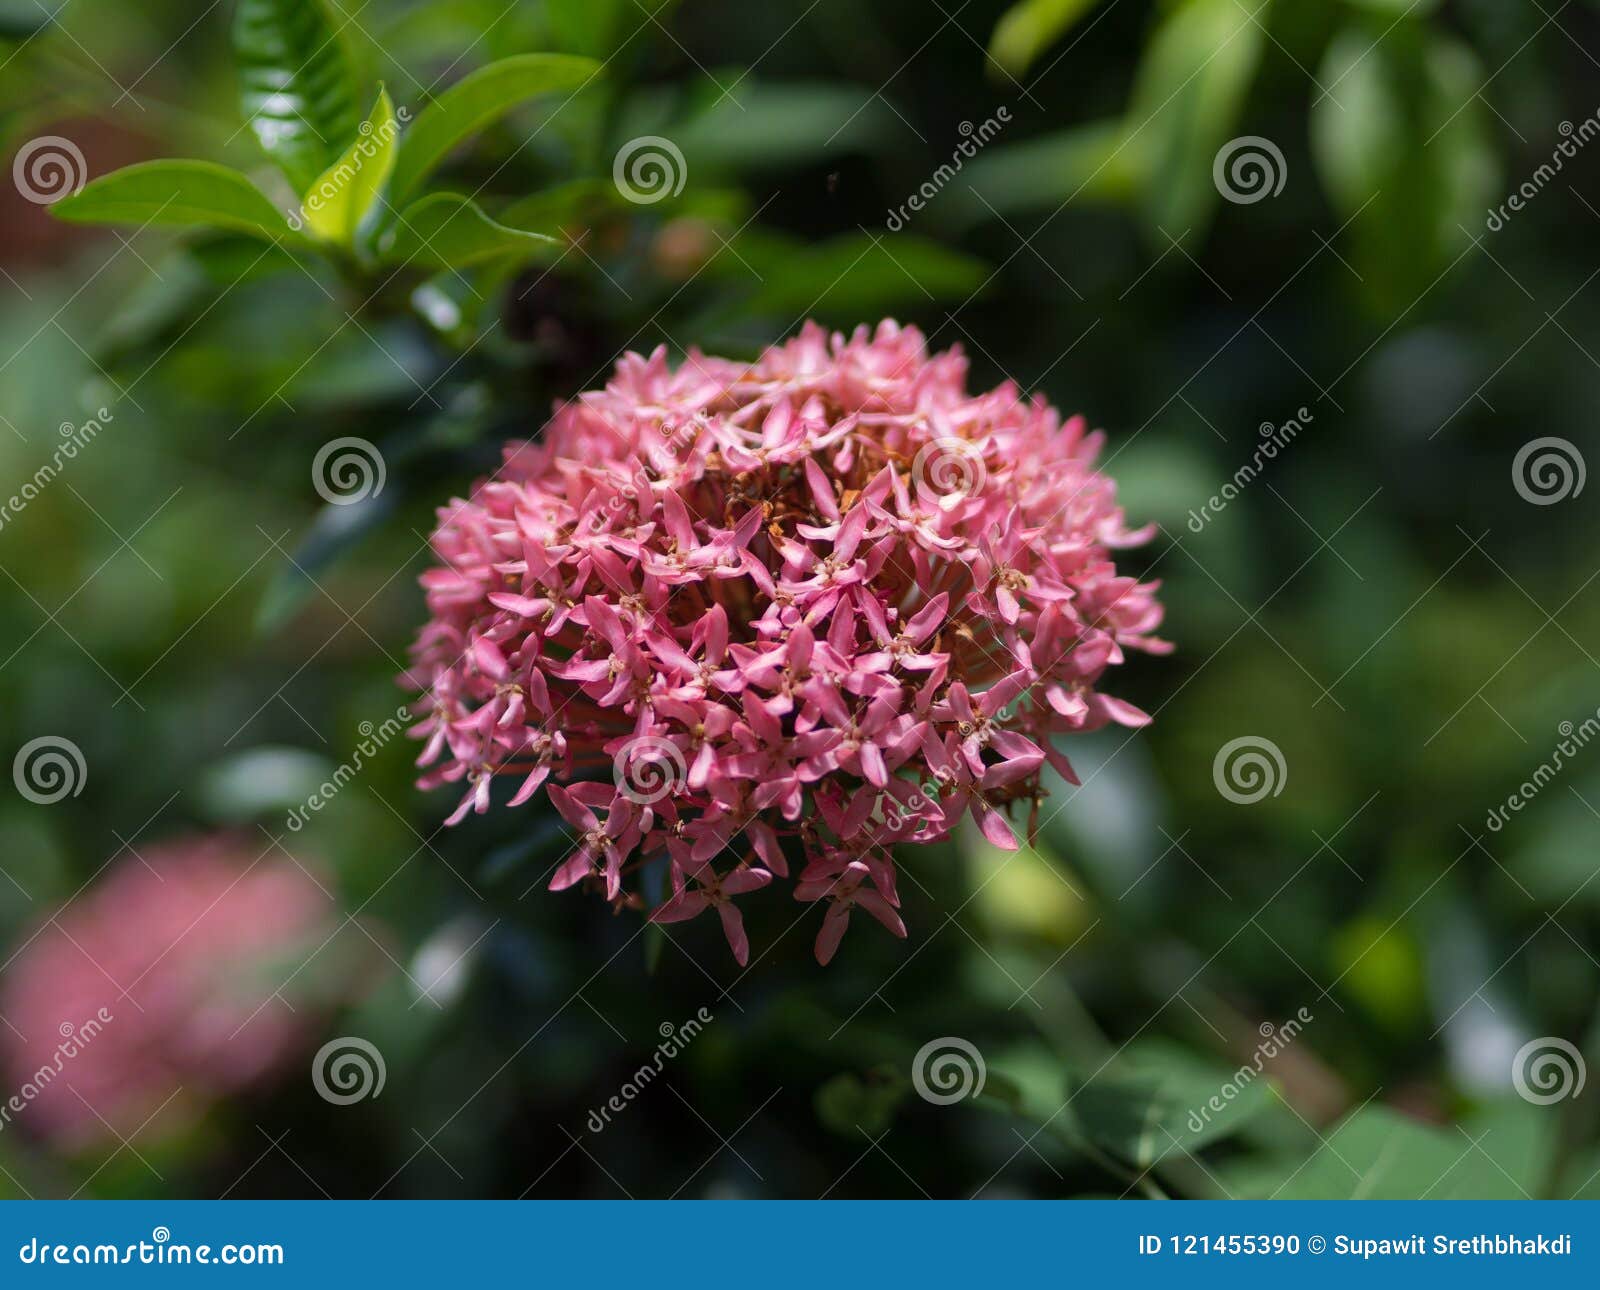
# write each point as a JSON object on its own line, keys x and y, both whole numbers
{"x": 156, "y": 989}
{"x": 827, "y": 597}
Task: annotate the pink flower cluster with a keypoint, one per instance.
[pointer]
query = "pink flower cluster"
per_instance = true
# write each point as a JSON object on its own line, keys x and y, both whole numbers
{"x": 158, "y": 989}
{"x": 798, "y": 609}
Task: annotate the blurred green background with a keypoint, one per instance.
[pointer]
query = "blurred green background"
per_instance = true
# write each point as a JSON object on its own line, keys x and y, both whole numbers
{"x": 1384, "y": 604}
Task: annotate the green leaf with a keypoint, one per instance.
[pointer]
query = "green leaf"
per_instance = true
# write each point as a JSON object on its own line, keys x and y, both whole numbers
{"x": 475, "y": 101}
{"x": 1404, "y": 151}
{"x": 447, "y": 231}
{"x": 1377, "y": 1154}
{"x": 1358, "y": 131}
{"x": 599, "y": 27}
{"x": 343, "y": 194}
{"x": 769, "y": 124}
{"x": 177, "y": 194}
{"x": 1027, "y": 29}
{"x": 1186, "y": 103}
{"x": 849, "y": 1104}
{"x": 297, "y": 85}
{"x": 1157, "y": 1100}
{"x": 1084, "y": 162}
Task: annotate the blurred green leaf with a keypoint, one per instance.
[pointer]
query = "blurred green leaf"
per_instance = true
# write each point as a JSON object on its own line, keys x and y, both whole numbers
{"x": 1156, "y": 1100}
{"x": 297, "y": 86}
{"x": 1358, "y": 132}
{"x": 1187, "y": 97}
{"x": 1086, "y": 161}
{"x": 849, "y": 1104}
{"x": 229, "y": 260}
{"x": 1403, "y": 151}
{"x": 1380, "y": 964}
{"x": 1027, "y": 29}
{"x": 344, "y": 194}
{"x": 335, "y": 531}
{"x": 597, "y": 27}
{"x": 178, "y": 194}
{"x": 768, "y": 123}
{"x": 1398, "y": 8}
{"x": 446, "y": 231}
{"x": 476, "y": 100}
{"x": 1378, "y": 1154}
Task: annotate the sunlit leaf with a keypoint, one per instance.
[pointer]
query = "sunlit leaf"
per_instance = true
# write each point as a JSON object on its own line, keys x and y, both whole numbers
{"x": 1403, "y": 149}
{"x": 1186, "y": 103}
{"x": 342, "y": 196}
{"x": 1027, "y": 29}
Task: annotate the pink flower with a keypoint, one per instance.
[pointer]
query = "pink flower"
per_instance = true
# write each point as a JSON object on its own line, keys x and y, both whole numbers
{"x": 829, "y": 599}
{"x": 157, "y": 989}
